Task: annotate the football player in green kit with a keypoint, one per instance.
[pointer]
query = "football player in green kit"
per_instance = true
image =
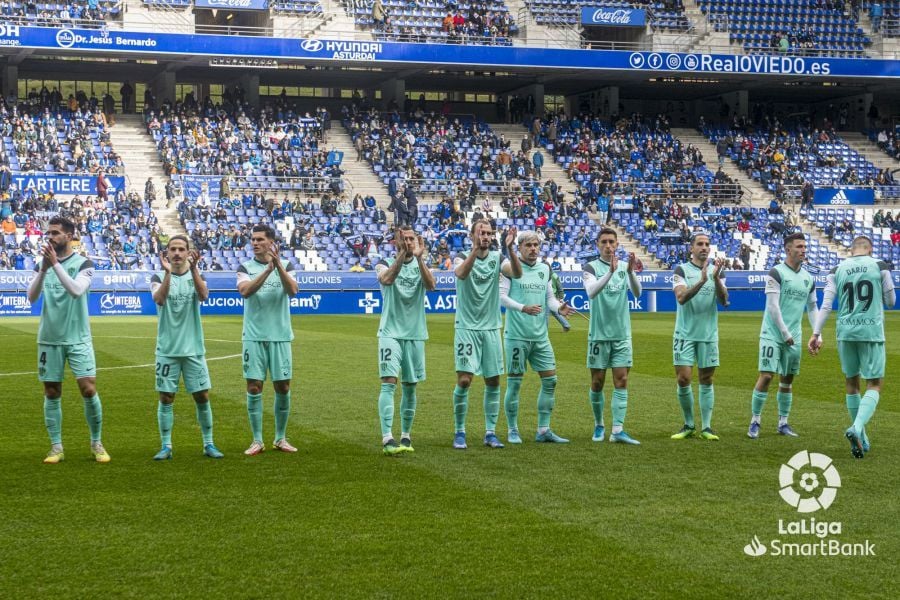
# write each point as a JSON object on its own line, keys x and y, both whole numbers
{"x": 790, "y": 290}
{"x": 267, "y": 285}
{"x": 607, "y": 282}
{"x": 528, "y": 301}
{"x": 476, "y": 337}
{"x": 401, "y": 335}
{"x": 863, "y": 287}
{"x": 180, "y": 351}
{"x": 64, "y": 334}
{"x": 698, "y": 285}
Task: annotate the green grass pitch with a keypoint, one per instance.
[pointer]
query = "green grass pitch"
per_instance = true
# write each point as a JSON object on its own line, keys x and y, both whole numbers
{"x": 661, "y": 520}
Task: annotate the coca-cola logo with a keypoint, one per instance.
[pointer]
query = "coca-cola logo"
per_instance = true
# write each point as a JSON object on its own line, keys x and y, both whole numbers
{"x": 617, "y": 17}
{"x": 232, "y": 3}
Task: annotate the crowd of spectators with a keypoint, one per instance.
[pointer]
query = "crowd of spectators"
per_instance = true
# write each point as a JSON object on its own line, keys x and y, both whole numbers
{"x": 446, "y": 21}
{"x": 233, "y": 138}
{"x": 83, "y": 13}
{"x": 44, "y": 133}
{"x": 889, "y": 142}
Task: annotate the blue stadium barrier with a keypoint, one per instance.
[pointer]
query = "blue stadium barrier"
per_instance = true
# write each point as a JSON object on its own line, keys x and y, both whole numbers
{"x": 127, "y": 293}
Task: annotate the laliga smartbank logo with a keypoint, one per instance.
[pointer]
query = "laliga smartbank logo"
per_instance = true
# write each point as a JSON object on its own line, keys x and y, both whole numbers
{"x": 808, "y": 482}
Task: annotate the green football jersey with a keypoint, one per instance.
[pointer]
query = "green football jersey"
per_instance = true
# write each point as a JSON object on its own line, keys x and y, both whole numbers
{"x": 478, "y": 295}
{"x": 64, "y": 318}
{"x": 267, "y": 313}
{"x": 858, "y": 287}
{"x": 794, "y": 288}
{"x": 530, "y": 288}
{"x": 403, "y": 311}
{"x": 610, "y": 313}
{"x": 697, "y": 320}
{"x": 180, "y": 332}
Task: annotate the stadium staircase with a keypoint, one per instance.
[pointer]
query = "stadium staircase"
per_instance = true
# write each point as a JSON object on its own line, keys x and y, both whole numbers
{"x": 340, "y": 25}
{"x": 359, "y": 175}
{"x": 869, "y": 150}
{"x": 710, "y": 41}
{"x": 141, "y": 160}
{"x": 754, "y": 193}
{"x": 551, "y": 170}
{"x": 137, "y": 17}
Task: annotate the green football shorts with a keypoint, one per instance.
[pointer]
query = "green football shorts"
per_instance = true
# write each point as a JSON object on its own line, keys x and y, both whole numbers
{"x": 272, "y": 357}
{"x": 521, "y": 353}
{"x": 862, "y": 358}
{"x": 778, "y": 357}
{"x": 405, "y": 358}
{"x": 169, "y": 369}
{"x": 478, "y": 352}
{"x": 609, "y": 354}
{"x": 687, "y": 352}
{"x": 52, "y": 361}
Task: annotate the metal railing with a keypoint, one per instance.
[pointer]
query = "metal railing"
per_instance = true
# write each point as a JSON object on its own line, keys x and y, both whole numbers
{"x": 266, "y": 183}
{"x": 679, "y": 44}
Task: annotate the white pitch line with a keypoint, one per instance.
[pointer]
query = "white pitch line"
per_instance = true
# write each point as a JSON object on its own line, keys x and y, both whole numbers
{"x": 153, "y": 337}
{"x": 148, "y": 365}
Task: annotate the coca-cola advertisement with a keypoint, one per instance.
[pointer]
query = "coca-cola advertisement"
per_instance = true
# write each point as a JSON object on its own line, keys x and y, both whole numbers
{"x": 233, "y": 4}
{"x": 611, "y": 16}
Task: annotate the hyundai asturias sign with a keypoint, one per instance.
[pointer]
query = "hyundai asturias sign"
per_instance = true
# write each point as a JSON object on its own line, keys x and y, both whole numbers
{"x": 233, "y": 4}
{"x": 605, "y": 16}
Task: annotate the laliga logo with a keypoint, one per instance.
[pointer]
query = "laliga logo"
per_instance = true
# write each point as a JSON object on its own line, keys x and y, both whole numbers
{"x": 621, "y": 17}
{"x": 311, "y": 45}
{"x": 816, "y": 476}
{"x": 65, "y": 38}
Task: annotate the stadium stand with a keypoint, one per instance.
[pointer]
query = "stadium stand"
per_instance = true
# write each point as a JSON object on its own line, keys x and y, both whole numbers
{"x": 666, "y": 16}
{"x": 81, "y": 13}
{"x": 36, "y": 138}
{"x": 784, "y": 161}
{"x": 297, "y": 7}
{"x": 276, "y": 143}
{"x": 887, "y": 141}
{"x": 485, "y": 22}
{"x": 843, "y": 224}
{"x": 814, "y": 27}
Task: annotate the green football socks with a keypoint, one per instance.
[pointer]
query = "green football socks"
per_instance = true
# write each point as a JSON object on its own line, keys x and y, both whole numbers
{"x": 386, "y": 407}
{"x": 93, "y": 414}
{"x": 707, "y": 401}
{"x": 757, "y": 402}
{"x": 491, "y": 406}
{"x": 282, "y": 411}
{"x": 866, "y": 409}
{"x": 853, "y": 405}
{"x": 785, "y": 400}
{"x": 597, "y": 406}
{"x": 546, "y": 401}
{"x": 165, "y": 417}
{"x": 511, "y": 401}
{"x": 53, "y": 419}
{"x": 407, "y": 407}
{"x": 205, "y": 420}
{"x": 686, "y": 399}
{"x": 460, "y": 407}
{"x": 619, "y": 407}
{"x": 254, "y": 412}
